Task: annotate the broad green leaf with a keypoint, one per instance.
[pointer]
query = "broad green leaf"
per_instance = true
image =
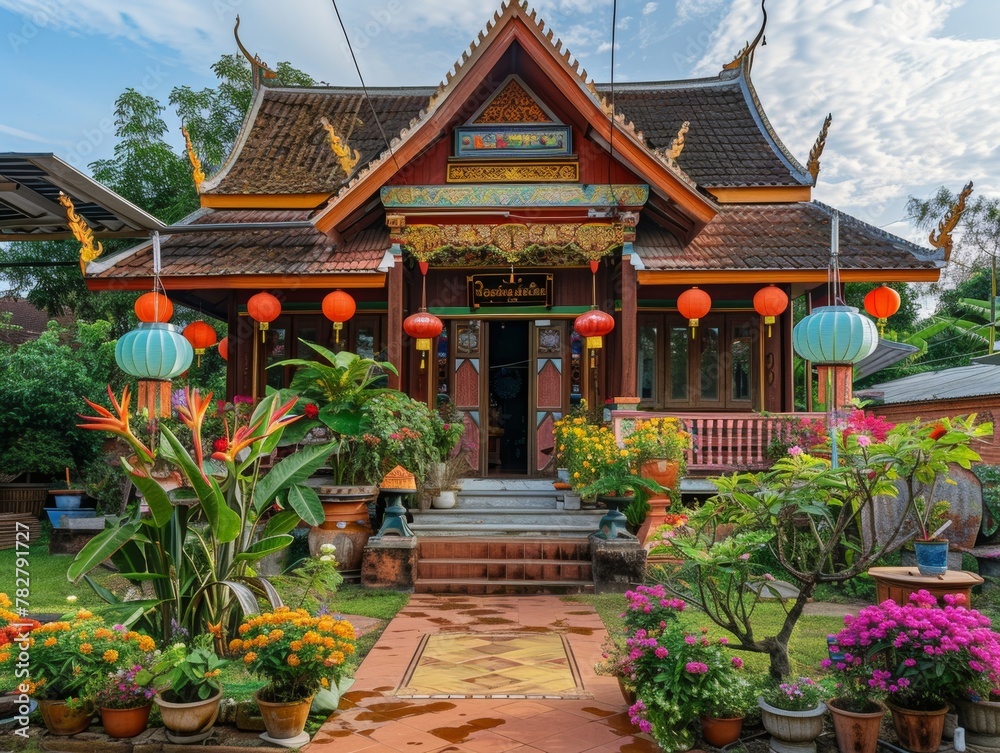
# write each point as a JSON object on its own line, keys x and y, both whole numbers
{"x": 282, "y": 522}
{"x": 264, "y": 586}
{"x": 246, "y": 598}
{"x": 305, "y": 501}
{"x": 263, "y": 548}
{"x": 160, "y": 506}
{"x": 100, "y": 548}
{"x": 291, "y": 470}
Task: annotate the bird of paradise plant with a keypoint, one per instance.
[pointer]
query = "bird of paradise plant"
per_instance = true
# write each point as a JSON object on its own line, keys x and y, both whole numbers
{"x": 197, "y": 553}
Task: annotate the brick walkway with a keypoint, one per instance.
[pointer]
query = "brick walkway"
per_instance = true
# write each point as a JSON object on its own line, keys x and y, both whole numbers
{"x": 513, "y": 718}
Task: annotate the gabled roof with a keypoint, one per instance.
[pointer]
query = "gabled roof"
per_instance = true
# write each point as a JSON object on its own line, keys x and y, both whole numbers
{"x": 794, "y": 236}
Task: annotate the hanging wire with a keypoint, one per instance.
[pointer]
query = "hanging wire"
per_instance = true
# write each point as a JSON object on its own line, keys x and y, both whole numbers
{"x": 611, "y": 136}
{"x": 364, "y": 88}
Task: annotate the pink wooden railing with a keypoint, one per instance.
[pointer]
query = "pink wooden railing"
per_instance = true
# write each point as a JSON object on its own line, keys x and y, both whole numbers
{"x": 720, "y": 441}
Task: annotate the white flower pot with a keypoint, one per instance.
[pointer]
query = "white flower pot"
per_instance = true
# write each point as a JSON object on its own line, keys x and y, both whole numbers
{"x": 445, "y": 500}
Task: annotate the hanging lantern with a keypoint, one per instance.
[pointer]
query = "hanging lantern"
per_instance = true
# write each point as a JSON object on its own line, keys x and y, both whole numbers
{"x": 224, "y": 348}
{"x": 201, "y": 336}
{"x": 693, "y": 304}
{"x": 338, "y": 307}
{"x": 155, "y": 352}
{"x": 834, "y": 335}
{"x": 153, "y": 307}
{"x": 263, "y": 308}
{"x": 882, "y": 302}
{"x": 423, "y": 327}
{"x": 594, "y": 325}
{"x": 770, "y": 302}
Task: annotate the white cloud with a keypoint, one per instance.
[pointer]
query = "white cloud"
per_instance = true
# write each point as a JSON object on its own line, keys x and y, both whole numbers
{"x": 912, "y": 106}
{"x": 25, "y": 135}
{"x": 691, "y": 9}
{"x": 649, "y": 8}
{"x": 606, "y": 47}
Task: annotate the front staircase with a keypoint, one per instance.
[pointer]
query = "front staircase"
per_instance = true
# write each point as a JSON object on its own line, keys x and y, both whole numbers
{"x": 505, "y": 536}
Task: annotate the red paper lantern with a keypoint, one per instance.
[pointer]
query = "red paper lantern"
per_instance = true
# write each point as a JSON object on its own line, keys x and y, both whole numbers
{"x": 224, "y": 348}
{"x": 693, "y": 304}
{"x": 201, "y": 336}
{"x": 338, "y": 307}
{"x": 594, "y": 325}
{"x": 153, "y": 307}
{"x": 881, "y": 303}
{"x": 263, "y": 308}
{"x": 423, "y": 327}
{"x": 770, "y": 302}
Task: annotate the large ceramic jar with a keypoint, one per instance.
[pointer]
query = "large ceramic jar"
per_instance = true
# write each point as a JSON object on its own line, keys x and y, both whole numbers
{"x": 857, "y": 732}
{"x": 189, "y": 722}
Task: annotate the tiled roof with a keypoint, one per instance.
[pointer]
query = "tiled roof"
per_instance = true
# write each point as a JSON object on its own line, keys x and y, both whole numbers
{"x": 779, "y": 236}
{"x": 287, "y": 150}
{"x": 30, "y": 320}
{"x": 286, "y": 251}
{"x": 729, "y": 142}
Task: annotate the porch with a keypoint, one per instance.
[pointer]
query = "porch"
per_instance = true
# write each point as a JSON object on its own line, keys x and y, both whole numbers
{"x": 721, "y": 442}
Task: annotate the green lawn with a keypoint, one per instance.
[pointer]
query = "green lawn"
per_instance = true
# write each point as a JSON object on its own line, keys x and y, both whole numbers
{"x": 807, "y": 648}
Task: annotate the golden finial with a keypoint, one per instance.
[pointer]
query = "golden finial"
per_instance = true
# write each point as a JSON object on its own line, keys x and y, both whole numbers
{"x": 814, "y": 154}
{"x": 343, "y": 152}
{"x": 678, "y": 143}
{"x": 82, "y": 232}
{"x": 197, "y": 173}
{"x": 258, "y": 66}
{"x": 941, "y": 238}
{"x": 747, "y": 52}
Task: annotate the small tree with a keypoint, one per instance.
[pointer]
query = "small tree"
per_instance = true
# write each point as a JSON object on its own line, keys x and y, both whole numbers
{"x": 817, "y": 521}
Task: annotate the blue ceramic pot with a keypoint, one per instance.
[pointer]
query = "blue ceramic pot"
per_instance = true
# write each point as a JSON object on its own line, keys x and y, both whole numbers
{"x": 56, "y": 517}
{"x": 68, "y": 501}
{"x": 932, "y": 557}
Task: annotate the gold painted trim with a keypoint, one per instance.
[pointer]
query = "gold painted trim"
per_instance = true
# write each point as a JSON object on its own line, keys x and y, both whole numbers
{"x": 762, "y": 194}
{"x": 511, "y": 171}
{"x": 196, "y": 172}
{"x": 347, "y": 157}
{"x": 704, "y": 277}
{"x": 263, "y": 201}
{"x": 941, "y": 237}
{"x": 242, "y": 282}
{"x": 82, "y": 232}
{"x": 817, "y": 150}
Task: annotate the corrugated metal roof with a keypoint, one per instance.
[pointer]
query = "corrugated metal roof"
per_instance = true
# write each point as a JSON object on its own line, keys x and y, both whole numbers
{"x": 945, "y": 384}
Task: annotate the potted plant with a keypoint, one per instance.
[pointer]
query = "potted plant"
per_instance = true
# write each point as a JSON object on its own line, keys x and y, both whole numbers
{"x": 723, "y": 715}
{"x": 297, "y": 655}
{"x": 921, "y": 657}
{"x": 445, "y": 478}
{"x": 124, "y": 700}
{"x": 190, "y": 690}
{"x": 66, "y": 657}
{"x": 657, "y": 446}
{"x": 792, "y": 712}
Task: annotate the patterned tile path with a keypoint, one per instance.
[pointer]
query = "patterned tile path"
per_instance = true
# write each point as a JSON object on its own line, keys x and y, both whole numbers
{"x": 516, "y": 715}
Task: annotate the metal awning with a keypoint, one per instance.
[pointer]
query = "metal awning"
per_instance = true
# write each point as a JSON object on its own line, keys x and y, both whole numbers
{"x": 886, "y": 354}
{"x": 30, "y": 209}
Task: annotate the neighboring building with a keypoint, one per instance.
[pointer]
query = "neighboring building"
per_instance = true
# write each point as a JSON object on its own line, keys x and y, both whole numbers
{"x": 29, "y": 321}
{"x": 957, "y": 391}
{"x": 509, "y": 179}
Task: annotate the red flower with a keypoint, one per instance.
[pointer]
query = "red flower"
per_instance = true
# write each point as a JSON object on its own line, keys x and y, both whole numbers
{"x": 221, "y": 444}
{"x": 311, "y": 411}
{"x": 938, "y": 431}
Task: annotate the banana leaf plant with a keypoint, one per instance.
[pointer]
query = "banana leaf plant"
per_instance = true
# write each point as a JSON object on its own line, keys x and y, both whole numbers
{"x": 197, "y": 553}
{"x": 333, "y": 389}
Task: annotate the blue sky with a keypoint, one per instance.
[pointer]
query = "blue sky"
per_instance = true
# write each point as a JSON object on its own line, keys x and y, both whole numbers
{"x": 911, "y": 83}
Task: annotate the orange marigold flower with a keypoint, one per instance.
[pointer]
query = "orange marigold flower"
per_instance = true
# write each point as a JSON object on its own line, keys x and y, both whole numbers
{"x": 295, "y": 645}
{"x": 324, "y": 682}
{"x": 102, "y": 633}
{"x": 86, "y": 648}
{"x": 4, "y": 657}
{"x": 244, "y": 629}
{"x": 110, "y": 656}
{"x": 5, "y": 601}
{"x": 293, "y": 660}
{"x": 51, "y": 641}
{"x": 235, "y": 644}
{"x": 84, "y": 614}
{"x": 251, "y": 656}
{"x": 146, "y": 643}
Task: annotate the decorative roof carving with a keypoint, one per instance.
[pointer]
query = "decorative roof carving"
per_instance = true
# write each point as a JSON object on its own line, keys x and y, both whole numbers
{"x": 817, "y": 150}
{"x": 513, "y": 104}
{"x": 260, "y": 69}
{"x": 745, "y": 56}
{"x": 678, "y": 143}
{"x": 82, "y": 232}
{"x": 342, "y": 150}
{"x": 941, "y": 238}
{"x": 196, "y": 172}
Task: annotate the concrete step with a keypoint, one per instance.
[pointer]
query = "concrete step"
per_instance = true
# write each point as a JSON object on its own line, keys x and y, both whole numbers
{"x": 503, "y": 570}
{"x": 478, "y": 587}
{"x": 520, "y": 499}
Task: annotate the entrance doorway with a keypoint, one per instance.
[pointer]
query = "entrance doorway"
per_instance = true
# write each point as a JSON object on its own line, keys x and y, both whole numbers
{"x": 508, "y": 393}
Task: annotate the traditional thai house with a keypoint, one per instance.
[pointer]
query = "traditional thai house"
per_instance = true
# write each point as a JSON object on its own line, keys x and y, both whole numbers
{"x": 512, "y": 180}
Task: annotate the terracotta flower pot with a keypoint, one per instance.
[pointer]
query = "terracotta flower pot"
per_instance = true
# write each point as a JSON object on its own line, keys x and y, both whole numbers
{"x": 60, "y": 719}
{"x": 662, "y": 471}
{"x": 284, "y": 720}
{"x": 347, "y": 524}
{"x": 189, "y": 722}
{"x": 125, "y": 722}
{"x": 918, "y": 731}
{"x": 721, "y": 731}
{"x": 856, "y": 732}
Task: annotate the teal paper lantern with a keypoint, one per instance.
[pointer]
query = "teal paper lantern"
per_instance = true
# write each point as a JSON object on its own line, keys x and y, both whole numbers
{"x": 154, "y": 350}
{"x": 835, "y": 335}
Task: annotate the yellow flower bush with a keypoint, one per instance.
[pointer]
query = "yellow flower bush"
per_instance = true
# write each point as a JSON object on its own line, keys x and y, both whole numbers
{"x": 658, "y": 438}
{"x": 68, "y": 657}
{"x": 589, "y": 451}
{"x": 294, "y": 651}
